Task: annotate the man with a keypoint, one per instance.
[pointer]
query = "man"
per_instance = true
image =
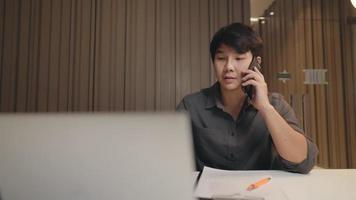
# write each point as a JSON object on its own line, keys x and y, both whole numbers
{"x": 234, "y": 132}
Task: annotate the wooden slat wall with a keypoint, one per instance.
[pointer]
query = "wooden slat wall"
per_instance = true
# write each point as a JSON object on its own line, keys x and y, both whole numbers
{"x": 313, "y": 34}
{"x": 110, "y": 30}
{"x": 107, "y": 55}
{"x": 349, "y": 61}
{"x": 46, "y": 55}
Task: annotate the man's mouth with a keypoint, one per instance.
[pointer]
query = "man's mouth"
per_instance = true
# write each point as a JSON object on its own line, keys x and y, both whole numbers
{"x": 229, "y": 77}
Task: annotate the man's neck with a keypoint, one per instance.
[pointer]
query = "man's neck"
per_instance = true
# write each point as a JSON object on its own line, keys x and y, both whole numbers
{"x": 233, "y": 101}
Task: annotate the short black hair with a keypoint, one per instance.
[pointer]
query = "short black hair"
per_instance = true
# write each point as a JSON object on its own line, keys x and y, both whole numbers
{"x": 238, "y": 36}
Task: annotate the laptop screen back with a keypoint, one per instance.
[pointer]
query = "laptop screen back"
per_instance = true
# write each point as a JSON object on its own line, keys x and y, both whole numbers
{"x": 95, "y": 156}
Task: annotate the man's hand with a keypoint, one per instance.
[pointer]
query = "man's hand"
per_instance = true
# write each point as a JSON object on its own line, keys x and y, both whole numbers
{"x": 256, "y": 79}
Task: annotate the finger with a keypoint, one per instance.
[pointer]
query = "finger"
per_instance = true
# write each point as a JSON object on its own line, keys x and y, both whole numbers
{"x": 258, "y": 71}
{"x": 247, "y": 71}
{"x": 248, "y": 76}
{"x": 250, "y": 82}
{"x": 252, "y": 75}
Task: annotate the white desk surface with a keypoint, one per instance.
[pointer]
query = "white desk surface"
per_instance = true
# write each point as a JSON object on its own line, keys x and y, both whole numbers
{"x": 319, "y": 184}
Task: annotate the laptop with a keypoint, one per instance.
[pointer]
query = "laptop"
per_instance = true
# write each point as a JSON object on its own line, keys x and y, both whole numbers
{"x": 96, "y": 156}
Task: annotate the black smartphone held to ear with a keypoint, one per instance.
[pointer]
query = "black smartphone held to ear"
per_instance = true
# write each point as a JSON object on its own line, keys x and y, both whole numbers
{"x": 249, "y": 89}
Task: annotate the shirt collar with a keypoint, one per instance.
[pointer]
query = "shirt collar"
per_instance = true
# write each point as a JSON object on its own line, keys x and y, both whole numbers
{"x": 214, "y": 98}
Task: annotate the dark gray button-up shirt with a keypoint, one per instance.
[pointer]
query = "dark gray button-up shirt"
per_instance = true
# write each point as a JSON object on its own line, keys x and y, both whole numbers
{"x": 244, "y": 144}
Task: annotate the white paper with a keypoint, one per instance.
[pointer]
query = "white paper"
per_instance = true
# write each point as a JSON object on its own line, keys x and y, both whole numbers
{"x": 215, "y": 182}
{"x": 194, "y": 180}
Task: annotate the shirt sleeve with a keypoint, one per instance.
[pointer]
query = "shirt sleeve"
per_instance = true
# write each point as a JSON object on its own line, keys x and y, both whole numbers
{"x": 304, "y": 167}
{"x": 181, "y": 106}
{"x": 198, "y": 163}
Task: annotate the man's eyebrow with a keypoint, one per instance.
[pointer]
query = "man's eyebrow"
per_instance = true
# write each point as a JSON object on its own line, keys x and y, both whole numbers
{"x": 219, "y": 51}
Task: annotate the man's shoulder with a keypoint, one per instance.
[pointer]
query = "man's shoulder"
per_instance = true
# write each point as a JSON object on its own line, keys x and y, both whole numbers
{"x": 279, "y": 102}
{"x": 199, "y": 96}
{"x": 275, "y": 98}
{"x": 205, "y": 98}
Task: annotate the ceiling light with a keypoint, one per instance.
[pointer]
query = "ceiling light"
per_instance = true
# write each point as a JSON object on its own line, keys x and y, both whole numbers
{"x": 254, "y": 19}
{"x": 353, "y": 3}
{"x": 271, "y": 13}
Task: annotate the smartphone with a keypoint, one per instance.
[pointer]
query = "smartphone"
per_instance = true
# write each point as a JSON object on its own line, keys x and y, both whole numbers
{"x": 249, "y": 90}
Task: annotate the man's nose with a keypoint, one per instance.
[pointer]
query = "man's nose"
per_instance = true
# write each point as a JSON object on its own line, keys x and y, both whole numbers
{"x": 229, "y": 66}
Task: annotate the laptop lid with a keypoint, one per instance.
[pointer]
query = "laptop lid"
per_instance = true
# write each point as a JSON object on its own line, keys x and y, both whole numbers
{"x": 95, "y": 156}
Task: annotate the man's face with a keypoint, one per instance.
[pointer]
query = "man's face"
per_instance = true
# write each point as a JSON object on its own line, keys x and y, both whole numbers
{"x": 228, "y": 65}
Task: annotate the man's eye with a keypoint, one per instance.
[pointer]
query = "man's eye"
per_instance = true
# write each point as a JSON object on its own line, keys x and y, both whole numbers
{"x": 239, "y": 58}
{"x": 220, "y": 58}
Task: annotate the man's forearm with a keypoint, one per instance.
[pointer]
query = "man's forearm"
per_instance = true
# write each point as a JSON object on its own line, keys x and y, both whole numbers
{"x": 290, "y": 144}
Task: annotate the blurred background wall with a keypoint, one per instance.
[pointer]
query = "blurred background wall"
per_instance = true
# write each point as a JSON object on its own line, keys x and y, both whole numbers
{"x": 145, "y": 55}
{"x": 316, "y": 34}
{"x": 107, "y": 55}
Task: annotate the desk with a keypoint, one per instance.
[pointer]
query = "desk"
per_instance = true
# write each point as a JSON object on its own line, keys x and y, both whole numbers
{"x": 319, "y": 184}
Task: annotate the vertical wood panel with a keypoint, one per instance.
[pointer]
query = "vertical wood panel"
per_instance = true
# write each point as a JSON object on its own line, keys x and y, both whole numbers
{"x": 349, "y": 60}
{"x": 245, "y": 9}
{"x": 129, "y": 81}
{"x": 222, "y": 6}
{"x": 83, "y": 61}
{"x": 10, "y": 56}
{"x": 183, "y": 47}
{"x": 118, "y": 55}
{"x": 86, "y": 65}
{"x": 165, "y": 54}
{"x": 291, "y": 51}
{"x": 309, "y": 111}
{"x": 237, "y": 16}
{"x": 338, "y": 94}
{"x": 320, "y": 95}
{"x": 271, "y": 23}
{"x": 194, "y": 45}
{"x": 77, "y": 56}
{"x": 150, "y": 60}
{"x": 178, "y": 53}
{"x": 2, "y": 23}
{"x": 33, "y": 52}
{"x": 300, "y": 57}
{"x": 23, "y": 57}
{"x": 127, "y": 87}
{"x": 44, "y": 46}
{"x": 352, "y": 107}
{"x": 327, "y": 62}
{"x": 64, "y": 55}
{"x": 213, "y": 26}
{"x": 102, "y": 64}
{"x": 280, "y": 12}
{"x": 204, "y": 40}
{"x": 72, "y": 53}
{"x": 54, "y": 56}
{"x": 334, "y": 92}
{"x": 140, "y": 52}
{"x": 92, "y": 52}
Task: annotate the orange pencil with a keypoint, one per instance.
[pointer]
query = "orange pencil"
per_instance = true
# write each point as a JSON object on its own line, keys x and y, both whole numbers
{"x": 258, "y": 183}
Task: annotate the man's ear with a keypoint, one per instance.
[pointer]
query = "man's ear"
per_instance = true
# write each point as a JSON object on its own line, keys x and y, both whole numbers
{"x": 259, "y": 59}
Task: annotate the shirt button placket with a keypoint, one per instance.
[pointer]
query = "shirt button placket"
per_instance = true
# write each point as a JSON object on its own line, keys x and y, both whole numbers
{"x": 232, "y": 129}
{"x": 232, "y": 156}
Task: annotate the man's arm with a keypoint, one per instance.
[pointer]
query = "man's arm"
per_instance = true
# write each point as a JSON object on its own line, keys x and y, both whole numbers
{"x": 296, "y": 152}
{"x": 290, "y": 144}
